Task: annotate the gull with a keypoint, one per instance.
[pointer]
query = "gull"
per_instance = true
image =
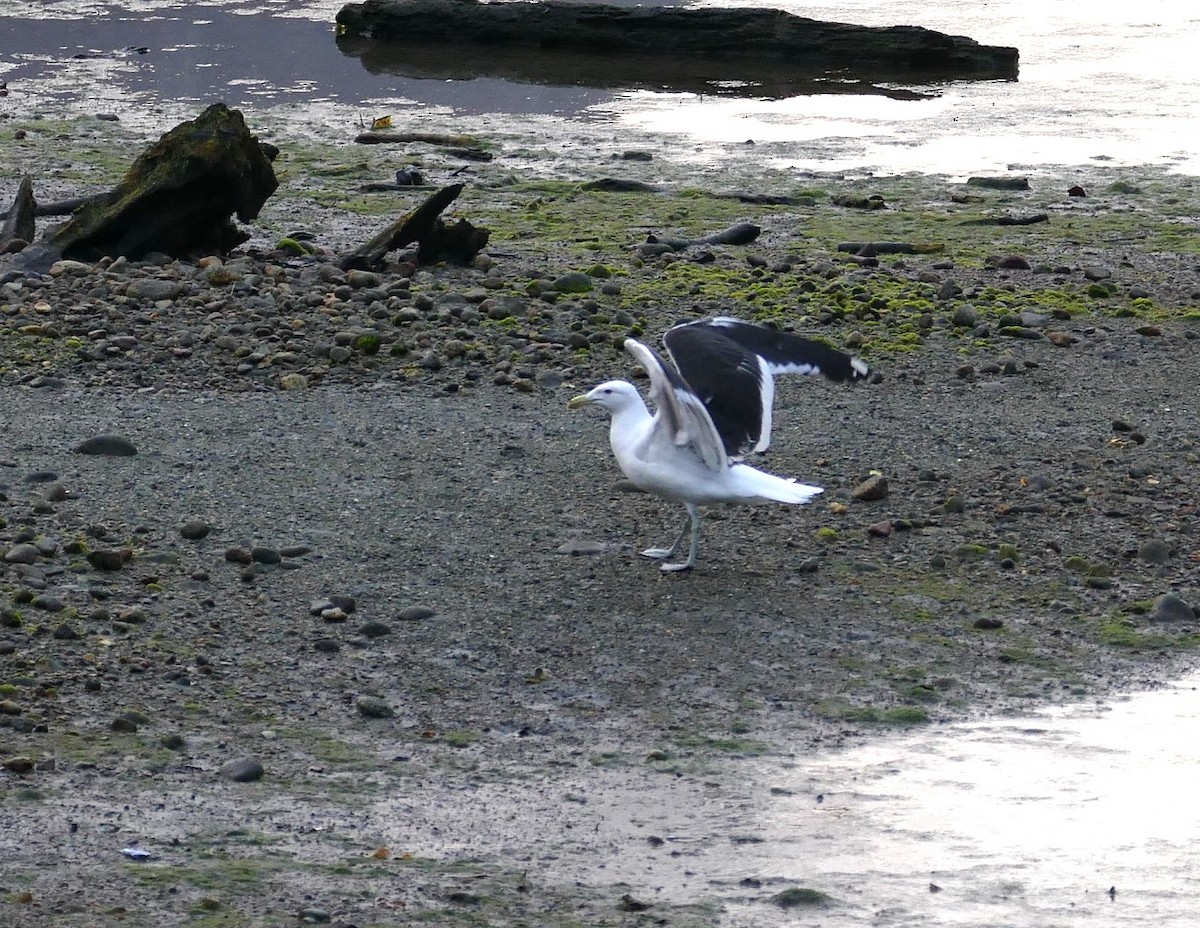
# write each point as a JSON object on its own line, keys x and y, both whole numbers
{"x": 711, "y": 408}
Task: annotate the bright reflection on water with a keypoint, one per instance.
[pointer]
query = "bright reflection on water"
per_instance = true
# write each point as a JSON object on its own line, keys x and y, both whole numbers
{"x": 1013, "y": 822}
{"x": 1027, "y": 821}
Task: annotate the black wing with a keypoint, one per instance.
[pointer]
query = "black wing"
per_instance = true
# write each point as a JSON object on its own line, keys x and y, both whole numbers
{"x": 729, "y": 365}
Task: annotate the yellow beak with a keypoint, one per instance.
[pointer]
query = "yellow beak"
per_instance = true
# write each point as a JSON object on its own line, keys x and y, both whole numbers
{"x": 578, "y": 402}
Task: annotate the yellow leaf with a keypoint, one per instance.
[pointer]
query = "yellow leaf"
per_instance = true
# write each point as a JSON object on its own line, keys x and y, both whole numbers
{"x": 381, "y": 122}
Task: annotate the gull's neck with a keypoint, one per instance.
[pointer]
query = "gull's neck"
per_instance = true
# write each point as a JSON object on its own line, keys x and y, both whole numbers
{"x": 629, "y": 426}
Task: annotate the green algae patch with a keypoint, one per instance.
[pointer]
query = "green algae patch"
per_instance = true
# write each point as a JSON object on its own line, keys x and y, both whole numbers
{"x": 1126, "y": 633}
{"x": 891, "y": 716}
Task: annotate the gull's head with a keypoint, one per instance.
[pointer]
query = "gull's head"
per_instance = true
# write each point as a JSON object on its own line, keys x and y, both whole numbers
{"x": 612, "y": 396}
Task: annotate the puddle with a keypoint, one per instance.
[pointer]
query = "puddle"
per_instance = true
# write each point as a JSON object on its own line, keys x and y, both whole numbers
{"x": 1024, "y": 821}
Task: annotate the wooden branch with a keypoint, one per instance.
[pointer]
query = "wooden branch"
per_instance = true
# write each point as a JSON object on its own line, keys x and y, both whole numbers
{"x": 422, "y": 225}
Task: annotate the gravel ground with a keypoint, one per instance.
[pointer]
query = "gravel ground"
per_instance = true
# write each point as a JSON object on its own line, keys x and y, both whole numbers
{"x": 339, "y": 615}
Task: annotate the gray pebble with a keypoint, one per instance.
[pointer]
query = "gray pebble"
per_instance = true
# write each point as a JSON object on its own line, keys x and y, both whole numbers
{"x": 415, "y": 614}
{"x": 372, "y": 707}
{"x": 153, "y": 289}
{"x": 965, "y": 316}
{"x": 579, "y": 547}
{"x": 22, "y": 554}
{"x": 242, "y": 770}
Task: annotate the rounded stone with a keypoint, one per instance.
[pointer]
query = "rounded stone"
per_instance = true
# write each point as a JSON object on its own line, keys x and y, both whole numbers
{"x": 242, "y": 770}
{"x": 195, "y": 529}
{"x": 372, "y": 707}
{"x": 107, "y": 445}
{"x": 1171, "y": 608}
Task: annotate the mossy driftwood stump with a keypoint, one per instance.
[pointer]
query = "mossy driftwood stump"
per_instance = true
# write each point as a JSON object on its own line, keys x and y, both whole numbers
{"x": 593, "y": 44}
{"x": 176, "y": 199}
{"x": 435, "y": 240}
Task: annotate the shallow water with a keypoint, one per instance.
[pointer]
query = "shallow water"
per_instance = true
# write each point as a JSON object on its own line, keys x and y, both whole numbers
{"x": 1105, "y": 80}
{"x": 1079, "y": 815}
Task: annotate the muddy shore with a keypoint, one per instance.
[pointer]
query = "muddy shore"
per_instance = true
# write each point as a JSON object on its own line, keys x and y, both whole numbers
{"x": 360, "y": 634}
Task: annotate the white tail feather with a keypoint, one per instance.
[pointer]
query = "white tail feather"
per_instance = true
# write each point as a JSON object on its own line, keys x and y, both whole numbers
{"x": 757, "y": 484}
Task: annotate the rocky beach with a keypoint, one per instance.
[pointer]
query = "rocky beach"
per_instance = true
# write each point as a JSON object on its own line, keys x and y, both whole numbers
{"x": 317, "y": 604}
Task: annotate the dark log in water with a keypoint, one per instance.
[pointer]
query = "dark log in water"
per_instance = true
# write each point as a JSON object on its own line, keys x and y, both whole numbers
{"x": 752, "y": 51}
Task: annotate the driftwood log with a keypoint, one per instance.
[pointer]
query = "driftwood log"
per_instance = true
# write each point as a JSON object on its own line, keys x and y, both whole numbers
{"x": 760, "y": 52}
{"x": 17, "y": 231}
{"x": 741, "y": 233}
{"x": 435, "y": 240}
{"x": 176, "y": 199}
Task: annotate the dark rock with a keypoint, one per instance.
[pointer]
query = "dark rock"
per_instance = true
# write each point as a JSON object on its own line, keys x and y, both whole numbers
{"x": 22, "y": 554}
{"x": 263, "y": 555}
{"x": 109, "y": 445}
{"x": 999, "y": 183}
{"x": 871, "y": 490}
{"x": 987, "y": 624}
{"x": 372, "y": 707}
{"x": 238, "y": 556}
{"x": 347, "y": 604}
{"x": 415, "y": 613}
{"x": 194, "y": 529}
{"x": 106, "y": 559}
{"x": 965, "y": 316}
{"x": 1154, "y": 551}
{"x": 881, "y": 529}
{"x": 242, "y": 770}
{"x": 18, "y": 764}
{"x": 1171, "y": 608}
